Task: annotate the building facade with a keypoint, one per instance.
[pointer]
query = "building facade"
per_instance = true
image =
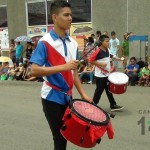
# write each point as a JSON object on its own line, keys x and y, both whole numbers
{"x": 21, "y": 17}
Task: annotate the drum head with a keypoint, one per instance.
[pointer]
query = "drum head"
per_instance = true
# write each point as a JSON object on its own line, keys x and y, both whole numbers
{"x": 89, "y": 112}
{"x": 118, "y": 78}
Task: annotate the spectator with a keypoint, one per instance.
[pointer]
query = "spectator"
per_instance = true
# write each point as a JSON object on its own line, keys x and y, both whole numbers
{"x": 131, "y": 71}
{"x": 12, "y": 52}
{"x": 28, "y": 50}
{"x": 18, "y": 72}
{"x": 19, "y": 53}
{"x": 4, "y": 71}
{"x": 88, "y": 73}
{"x": 93, "y": 36}
{"x": 98, "y": 34}
{"x": 88, "y": 49}
{"x": 105, "y": 33}
{"x": 145, "y": 75}
{"x": 114, "y": 47}
{"x": 125, "y": 49}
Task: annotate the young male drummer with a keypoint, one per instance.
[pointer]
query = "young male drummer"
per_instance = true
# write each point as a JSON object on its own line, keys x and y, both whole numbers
{"x": 55, "y": 58}
{"x": 101, "y": 59}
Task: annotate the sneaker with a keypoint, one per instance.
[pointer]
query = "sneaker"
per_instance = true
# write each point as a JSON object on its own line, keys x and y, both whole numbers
{"x": 90, "y": 82}
{"x": 116, "y": 107}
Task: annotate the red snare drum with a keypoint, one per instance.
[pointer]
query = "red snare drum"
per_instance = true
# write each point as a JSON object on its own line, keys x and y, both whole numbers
{"x": 117, "y": 82}
{"x": 84, "y": 124}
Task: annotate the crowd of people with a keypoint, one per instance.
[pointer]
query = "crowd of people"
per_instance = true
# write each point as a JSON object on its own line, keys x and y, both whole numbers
{"x": 18, "y": 68}
{"x": 137, "y": 71}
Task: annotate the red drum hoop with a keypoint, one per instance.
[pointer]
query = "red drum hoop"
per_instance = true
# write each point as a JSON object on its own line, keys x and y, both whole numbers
{"x": 87, "y": 111}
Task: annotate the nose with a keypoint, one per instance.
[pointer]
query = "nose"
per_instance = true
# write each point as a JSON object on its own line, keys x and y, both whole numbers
{"x": 70, "y": 17}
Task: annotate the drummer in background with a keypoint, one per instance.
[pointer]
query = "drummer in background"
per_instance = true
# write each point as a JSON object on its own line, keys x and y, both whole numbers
{"x": 55, "y": 58}
{"x": 101, "y": 59}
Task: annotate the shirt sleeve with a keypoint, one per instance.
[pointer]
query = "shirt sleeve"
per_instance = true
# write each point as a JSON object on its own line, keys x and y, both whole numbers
{"x": 94, "y": 55}
{"x": 39, "y": 55}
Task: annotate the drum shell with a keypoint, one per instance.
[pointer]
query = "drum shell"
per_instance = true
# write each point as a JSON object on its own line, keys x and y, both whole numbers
{"x": 117, "y": 82}
{"x": 117, "y": 88}
{"x": 76, "y": 130}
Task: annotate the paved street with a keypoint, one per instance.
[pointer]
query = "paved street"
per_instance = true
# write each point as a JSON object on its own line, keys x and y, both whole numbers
{"x": 24, "y": 127}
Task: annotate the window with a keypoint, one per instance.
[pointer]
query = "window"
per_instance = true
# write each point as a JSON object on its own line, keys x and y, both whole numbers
{"x": 39, "y": 11}
{"x": 48, "y": 11}
{"x": 36, "y": 12}
{"x": 81, "y": 10}
{"x": 3, "y": 16}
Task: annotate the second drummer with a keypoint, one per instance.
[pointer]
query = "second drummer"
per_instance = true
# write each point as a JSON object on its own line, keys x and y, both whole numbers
{"x": 101, "y": 59}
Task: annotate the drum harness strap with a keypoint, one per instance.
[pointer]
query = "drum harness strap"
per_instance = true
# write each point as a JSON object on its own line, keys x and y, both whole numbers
{"x": 58, "y": 89}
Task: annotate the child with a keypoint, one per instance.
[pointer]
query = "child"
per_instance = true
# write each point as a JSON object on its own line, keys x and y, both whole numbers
{"x": 145, "y": 75}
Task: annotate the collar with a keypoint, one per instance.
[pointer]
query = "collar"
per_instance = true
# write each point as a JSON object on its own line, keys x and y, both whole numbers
{"x": 55, "y": 36}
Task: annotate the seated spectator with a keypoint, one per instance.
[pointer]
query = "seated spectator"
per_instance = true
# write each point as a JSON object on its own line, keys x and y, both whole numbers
{"x": 4, "y": 71}
{"x": 82, "y": 65}
{"x": 145, "y": 76}
{"x": 18, "y": 72}
{"x": 88, "y": 73}
{"x": 131, "y": 71}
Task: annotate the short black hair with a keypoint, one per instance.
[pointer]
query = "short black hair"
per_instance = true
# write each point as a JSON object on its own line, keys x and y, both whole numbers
{"x": 103, "y": 37}
{"x": 113, "y": 33}
{"x": 98, "y": 32}
{"x": 56, "y": 5}
{"x": 146, "y": 64}
{"x": 133, "y": 58}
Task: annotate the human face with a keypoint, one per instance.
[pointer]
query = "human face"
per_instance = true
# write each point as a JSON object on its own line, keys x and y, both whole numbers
{"x": 63, "y": 19}
{"x": 132, "y": 61}
{"x": 105, "y": 43}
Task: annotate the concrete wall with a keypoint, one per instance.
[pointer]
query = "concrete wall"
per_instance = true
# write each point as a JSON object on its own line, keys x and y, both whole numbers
{"x": 117, "y": 15}
{"x": 122, "y": 16}
{"x": 3, "y": 2}
{"x": 16, "y": 18}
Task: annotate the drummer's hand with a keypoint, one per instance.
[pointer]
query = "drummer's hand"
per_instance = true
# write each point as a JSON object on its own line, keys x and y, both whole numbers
{"x": 87, "y": 98}
{"x": 72, "y": 65}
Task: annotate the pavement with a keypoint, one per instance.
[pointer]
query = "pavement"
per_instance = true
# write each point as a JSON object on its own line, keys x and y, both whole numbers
{"x": 24, "y": 127}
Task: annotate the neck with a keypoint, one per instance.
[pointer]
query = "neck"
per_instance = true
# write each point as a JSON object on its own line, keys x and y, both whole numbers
{"x": 60, "y": 32}
{"x": 103, "y": 48}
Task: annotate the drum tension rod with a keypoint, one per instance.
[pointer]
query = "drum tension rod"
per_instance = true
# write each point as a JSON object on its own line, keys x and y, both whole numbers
{"x": 98, "y": 141}
{"x": 81, "y": 140}
{"x": 63, "y": 128}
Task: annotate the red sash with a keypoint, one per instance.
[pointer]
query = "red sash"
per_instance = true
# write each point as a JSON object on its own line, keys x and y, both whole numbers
{"x": 55, "y": 59}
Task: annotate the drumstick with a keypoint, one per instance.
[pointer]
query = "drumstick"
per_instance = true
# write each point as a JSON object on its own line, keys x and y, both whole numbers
{"x": 97, "y": 43}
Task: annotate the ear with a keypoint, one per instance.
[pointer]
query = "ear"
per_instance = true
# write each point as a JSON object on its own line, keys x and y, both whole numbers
{"x": 54, "y": 17}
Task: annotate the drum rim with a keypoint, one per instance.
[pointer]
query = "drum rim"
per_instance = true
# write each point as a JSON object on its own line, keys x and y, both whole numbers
{"x": 86, "y": 119}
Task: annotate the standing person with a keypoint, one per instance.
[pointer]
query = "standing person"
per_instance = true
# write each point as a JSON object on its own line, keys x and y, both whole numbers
{"x": 114, "y": 46}
{"x": 19, "y": 52}
{"x": 87, "y": 50}
{"x": 55, "y": 58}
{"x": 93, "y": 36}
{"x": 125, "y": 49}
{"x": 12, "y": 52}
{"x": 105, "y": 33}
{"x": 98, "y": 34}
{"x": 101, "y": 59}
{"x": 28, "y": 50}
